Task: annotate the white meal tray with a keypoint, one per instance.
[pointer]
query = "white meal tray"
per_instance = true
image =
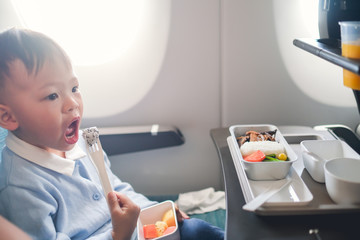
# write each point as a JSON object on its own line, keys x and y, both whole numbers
{"x": 303, "y": 196}
{"x": 294, "y": 194}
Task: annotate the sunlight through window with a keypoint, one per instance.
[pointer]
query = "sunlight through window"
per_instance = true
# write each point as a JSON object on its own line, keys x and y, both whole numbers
{"x": 309, "y": 10}
{"x": 299, "y": 19}
{"x": 117, "y": 46}
{"x": 91, "y": 31}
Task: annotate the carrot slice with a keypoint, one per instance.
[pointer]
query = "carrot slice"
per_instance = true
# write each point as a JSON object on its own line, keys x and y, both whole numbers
{"x": 257, "y": 156}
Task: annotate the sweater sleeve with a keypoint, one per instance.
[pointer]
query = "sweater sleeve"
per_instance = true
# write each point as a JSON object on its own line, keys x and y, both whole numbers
{"x": 33, "y": 213}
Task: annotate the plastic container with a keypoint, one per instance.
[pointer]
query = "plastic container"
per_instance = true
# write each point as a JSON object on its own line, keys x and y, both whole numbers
{"x": 263, "y": 170}
{"x": 155, "y": 213}
{"x": 350, "y": 45}
{"x": 315, "y": 153}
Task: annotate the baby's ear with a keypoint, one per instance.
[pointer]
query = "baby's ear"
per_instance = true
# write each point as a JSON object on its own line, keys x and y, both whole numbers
{"x": 7, "y": 118}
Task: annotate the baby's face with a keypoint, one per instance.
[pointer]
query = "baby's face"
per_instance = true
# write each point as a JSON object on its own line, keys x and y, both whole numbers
{"x": 47, "y": 106}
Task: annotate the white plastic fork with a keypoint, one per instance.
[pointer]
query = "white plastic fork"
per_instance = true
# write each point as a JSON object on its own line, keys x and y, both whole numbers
{"x": 97, "y": 157}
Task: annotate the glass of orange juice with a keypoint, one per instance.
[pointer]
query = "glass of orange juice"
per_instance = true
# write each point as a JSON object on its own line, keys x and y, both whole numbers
{"x": 350, "y": 45}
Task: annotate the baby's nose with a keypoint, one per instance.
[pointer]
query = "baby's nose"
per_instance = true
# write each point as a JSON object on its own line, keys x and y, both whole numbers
{"x": 71, "y": 104}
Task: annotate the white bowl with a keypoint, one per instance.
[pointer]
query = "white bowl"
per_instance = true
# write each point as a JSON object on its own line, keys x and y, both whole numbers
{"x": 154, "y": 213}
{"x": 263, "y": 170}
{"x": 316, "y": 152}
{"x": 342, "y": 180}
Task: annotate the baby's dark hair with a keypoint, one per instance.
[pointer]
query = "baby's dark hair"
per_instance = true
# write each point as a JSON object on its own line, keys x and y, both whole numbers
{"x": 32, "y": 48}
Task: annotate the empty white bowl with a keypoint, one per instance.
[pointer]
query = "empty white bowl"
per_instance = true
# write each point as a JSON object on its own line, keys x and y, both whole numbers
{"x": 342, "y": 180}
{"x": 316, "y": 152}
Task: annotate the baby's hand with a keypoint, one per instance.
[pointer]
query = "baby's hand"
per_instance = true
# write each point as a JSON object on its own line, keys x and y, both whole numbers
{"x": 124, "y": 215}
{"x": 180, "y": 215}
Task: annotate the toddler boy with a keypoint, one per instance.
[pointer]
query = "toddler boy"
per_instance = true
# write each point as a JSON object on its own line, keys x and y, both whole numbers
{"x": 48, "y": 185}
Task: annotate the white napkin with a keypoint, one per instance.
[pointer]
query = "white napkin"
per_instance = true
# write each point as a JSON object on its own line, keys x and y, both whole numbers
{"x": 202, "y": 201}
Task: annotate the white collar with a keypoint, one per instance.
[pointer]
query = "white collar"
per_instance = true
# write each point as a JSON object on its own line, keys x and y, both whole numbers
{"x": 44, "y": 158}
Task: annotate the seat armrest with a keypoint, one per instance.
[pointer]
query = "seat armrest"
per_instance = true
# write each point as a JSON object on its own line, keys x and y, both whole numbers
{"x": 119, "y": 140}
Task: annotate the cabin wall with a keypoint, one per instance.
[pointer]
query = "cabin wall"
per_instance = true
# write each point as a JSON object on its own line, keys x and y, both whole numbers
{"x": 186, "y": 94}
{"x": 257, "y": 85}
{"x": 222, "y": 66}
{"x": 224, "y": 62}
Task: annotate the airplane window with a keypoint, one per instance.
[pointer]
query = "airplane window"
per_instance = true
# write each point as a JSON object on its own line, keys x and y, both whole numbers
{"x": 116, "y": 50}
{"x": 92, "y": 32}
{"x": 317, "y": 78}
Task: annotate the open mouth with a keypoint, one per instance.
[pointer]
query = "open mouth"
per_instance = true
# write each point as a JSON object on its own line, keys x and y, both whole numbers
{"x": 72, "y": 131}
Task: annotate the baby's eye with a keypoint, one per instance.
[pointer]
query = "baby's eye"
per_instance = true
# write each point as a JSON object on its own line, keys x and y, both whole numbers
{"x": 75, "y": 89}
{"x": 52, "y": 96}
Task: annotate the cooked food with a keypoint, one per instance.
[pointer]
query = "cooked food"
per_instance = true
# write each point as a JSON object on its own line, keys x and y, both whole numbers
{"x": 258, "y": 147}
{"x": 267, "y": 147}
{"x": 253, "y": 136}
{"x": 91, "y": 135}
{"x": 257, "y": 156}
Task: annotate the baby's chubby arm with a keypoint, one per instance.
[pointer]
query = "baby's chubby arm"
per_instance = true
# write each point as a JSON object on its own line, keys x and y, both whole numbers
{"x": 124, "y": 215}
{"x": 10, "y": 232}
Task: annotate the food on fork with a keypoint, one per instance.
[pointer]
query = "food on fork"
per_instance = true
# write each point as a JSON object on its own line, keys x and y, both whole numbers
{"x": 91, "y": 135}
{"x": 95, "y": 151}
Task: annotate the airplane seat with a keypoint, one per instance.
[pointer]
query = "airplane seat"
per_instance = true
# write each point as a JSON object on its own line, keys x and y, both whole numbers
{"x": 3, "y": 134}
{"x": 120, "y": 140}
{"x": 216, "y": 217}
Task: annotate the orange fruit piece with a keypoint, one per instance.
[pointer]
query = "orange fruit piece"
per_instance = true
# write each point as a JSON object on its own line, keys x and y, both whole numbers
{"x": 150, "y": 231}
{"x": 169, "y": 218}
{"x": 160, "y": 227}
{"x": 169, "y": 230}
